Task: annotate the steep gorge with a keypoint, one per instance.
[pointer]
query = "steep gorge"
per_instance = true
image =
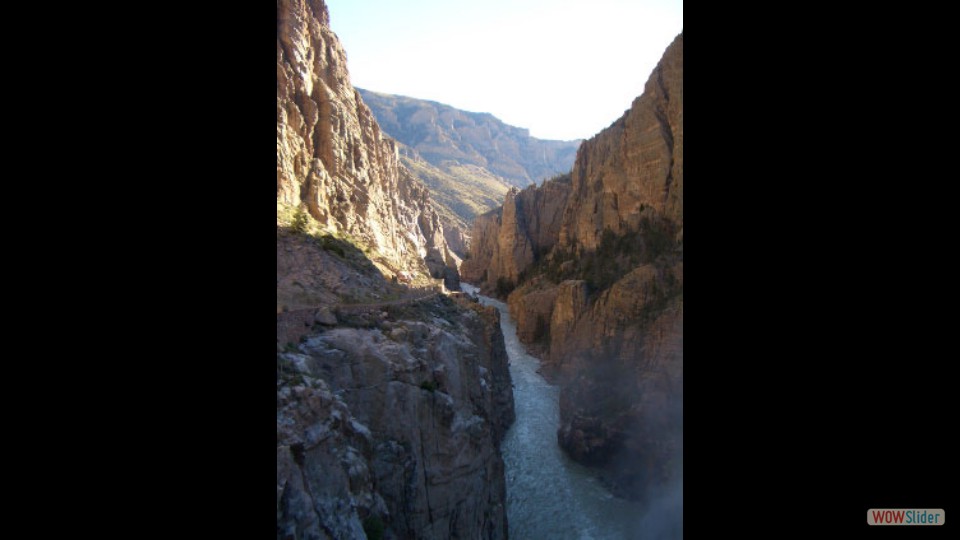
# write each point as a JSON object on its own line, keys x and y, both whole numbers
{"x": 468, "y": 160}
{"x": 592, "y": 268}
{"x": 507, "y": 240}
{"x": 392, "y": 402}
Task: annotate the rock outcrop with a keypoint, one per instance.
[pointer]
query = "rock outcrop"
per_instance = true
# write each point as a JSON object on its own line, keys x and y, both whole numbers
{"x": 507, "y": 241}
{"x": 533, "y": 313}
{"x": 393, "y": 419}
{"x": 599, "y": 286}
{"x": 333, "y": 158}
{"x": 620, "y": 364}
{"x": 460, "y": 193}
{"x": 634, "y": 168}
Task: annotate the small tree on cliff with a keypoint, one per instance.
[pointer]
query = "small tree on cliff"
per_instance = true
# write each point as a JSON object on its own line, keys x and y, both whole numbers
{"x": 504, "y": 286}
{"x": 300, "y": 221}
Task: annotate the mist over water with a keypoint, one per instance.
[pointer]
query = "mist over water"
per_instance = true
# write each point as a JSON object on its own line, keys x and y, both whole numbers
{"x": 548, "y": 494}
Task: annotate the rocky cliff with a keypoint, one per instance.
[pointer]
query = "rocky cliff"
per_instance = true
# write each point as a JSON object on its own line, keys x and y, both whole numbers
{"x": 333, "y": 158}
{"x": 460, "y": 192}
{"x": 619, "y": 361}
{"x": 634, "y": 168}
{"x": 392, "y": 420}
{"x": 391, "y": 402}
{"x": 600, "y": 297}
{"x": 508, "y": 240}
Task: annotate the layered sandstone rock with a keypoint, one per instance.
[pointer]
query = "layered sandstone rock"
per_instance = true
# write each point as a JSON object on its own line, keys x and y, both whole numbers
{"x": 571, "y": 303}
{"x": 395, "y": 417}
{"x": 634, "y": 167}
{"x": 333, "y": 157}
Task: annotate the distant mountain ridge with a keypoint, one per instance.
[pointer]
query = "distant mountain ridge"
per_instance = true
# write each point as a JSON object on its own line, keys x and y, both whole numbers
{"x": 440, "y": 132}
{"x": 467, "y": 160}
{"x": 459, "y": 192}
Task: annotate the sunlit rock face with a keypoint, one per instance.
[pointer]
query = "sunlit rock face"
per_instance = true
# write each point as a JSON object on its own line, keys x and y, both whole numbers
{"x": 634, "y": 168}
{"x": 333, "y": 157}
{"x": 507, "y": 241}
{"x": 598, "y": 283}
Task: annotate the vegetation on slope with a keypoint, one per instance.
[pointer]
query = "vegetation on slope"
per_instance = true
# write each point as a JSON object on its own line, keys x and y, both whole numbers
{"x": 460, "y": 192}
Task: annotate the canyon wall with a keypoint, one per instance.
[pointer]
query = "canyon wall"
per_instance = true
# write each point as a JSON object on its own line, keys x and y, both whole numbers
{"x": 634, "y": 168}
{"x": 393, "y": 419}
{"x": 333, "y": 158}
{"x": 391, "y": 402}
{"x": 508, "y": 240}
{"x": 600, "y": 297}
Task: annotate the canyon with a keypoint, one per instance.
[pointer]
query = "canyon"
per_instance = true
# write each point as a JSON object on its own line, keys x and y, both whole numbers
{"x": 468, "y": 161}
{"x": 395, "y": 392}
{"x": 591, "y": 266}
{"x": 392, "y": 397}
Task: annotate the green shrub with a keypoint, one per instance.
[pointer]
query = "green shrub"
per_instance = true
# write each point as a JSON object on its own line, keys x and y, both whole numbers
{"x": 333, "y": 245}
{"x": 300, "y": 220}
{"x": 657, "y": 238}
{"x": 373, "y": 526}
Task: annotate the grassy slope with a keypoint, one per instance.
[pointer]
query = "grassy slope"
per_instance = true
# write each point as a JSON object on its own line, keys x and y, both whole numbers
{"x": 459, "y": 192}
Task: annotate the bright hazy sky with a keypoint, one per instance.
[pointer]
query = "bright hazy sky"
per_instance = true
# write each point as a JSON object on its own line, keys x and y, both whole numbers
{"x": 563, "y": 69}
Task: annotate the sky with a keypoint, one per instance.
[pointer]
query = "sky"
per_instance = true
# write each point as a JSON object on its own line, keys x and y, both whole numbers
{"x": 562, "y": 69}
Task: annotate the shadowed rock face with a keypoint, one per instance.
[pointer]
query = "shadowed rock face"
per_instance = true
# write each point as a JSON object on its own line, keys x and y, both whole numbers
{"x": 401, "y": 419}
{"x": 599, "y": 286}
{"x": 620, "y": 364}
{"x": 333, "y": 157}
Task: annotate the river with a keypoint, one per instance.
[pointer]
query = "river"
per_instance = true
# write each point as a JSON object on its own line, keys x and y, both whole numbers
{"x": 548, "y": 494}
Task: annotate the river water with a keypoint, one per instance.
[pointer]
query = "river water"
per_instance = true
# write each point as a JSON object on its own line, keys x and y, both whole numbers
{"x": 548, "y": 494}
